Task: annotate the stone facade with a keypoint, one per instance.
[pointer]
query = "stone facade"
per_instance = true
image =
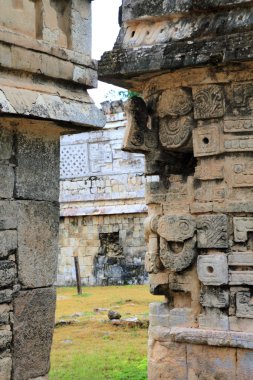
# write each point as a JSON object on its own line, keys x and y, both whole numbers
{"x": 102, "y": 206}
{"x": 44, "y": 74}
{"x": 192, "y": 62}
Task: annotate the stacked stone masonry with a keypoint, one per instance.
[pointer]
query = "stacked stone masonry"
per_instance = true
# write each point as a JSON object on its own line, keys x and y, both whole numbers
{"x": 45, "y": 71}
{"x": 102, "y": 195}
{"x": 192, "y": 61}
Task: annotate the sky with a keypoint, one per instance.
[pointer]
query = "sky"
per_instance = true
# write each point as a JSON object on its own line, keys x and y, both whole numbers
{"x": 105, "y": 29}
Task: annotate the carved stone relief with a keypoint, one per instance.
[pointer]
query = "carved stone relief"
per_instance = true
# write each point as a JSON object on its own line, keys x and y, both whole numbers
{"x": 176, "y": 228}
{"x": 241, "y": 228}
{"x": 212, "y": 231}
{"x": 175, "y": 132}
{"x": 208, "y": 102}
{"x": 244, "y": 304}
{"x": 213, "y": 269}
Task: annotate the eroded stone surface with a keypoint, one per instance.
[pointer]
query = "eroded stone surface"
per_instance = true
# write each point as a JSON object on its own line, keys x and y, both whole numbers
{"x": 36, "y": 305}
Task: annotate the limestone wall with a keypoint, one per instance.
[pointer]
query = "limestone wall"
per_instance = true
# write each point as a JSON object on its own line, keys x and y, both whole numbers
{"x": 192, "y": 62}
{"x": 102, "y": 193}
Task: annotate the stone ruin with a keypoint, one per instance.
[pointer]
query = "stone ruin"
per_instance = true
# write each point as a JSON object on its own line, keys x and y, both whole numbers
{"x": 45, "y": 71}
{"x": 102, "y": 206}
{"x": 192, "y": 61}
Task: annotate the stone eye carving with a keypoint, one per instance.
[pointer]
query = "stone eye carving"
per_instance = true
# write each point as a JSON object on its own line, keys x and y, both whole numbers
{"x": 177, "y": 241}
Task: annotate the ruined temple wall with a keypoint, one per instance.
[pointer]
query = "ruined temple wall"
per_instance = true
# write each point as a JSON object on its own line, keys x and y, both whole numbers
{"x": 102, "y": 193}
{"x": 192, "y": 63}
{"x": 122, "y": 263}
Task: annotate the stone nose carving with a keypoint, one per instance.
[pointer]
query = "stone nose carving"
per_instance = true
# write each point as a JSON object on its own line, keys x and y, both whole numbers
{"x": 177, "y": 241}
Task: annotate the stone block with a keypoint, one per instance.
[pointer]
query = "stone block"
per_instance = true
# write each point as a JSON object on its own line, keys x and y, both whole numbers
{"x": 182, "y": 317}
{"x": 7, "y": 273}
{"x": 159, "y": 314}
{"x": 213, "y": 319}
{"x": 206, "y": 141}
{"x": 8, "y": 215}
{"x": 7, "y": 181}
{"x": 5, "y": 339}
{"x": 241, "y": 324}
{"x": 5, "y": 368}
{"x": 244, "y": 305}
{"x": 8, "y": 243}
{"x": 167, "y": 361}
{"x": 211, "y": 363}
{"x": 244, "y": 370}
{"x": 174, "y": 102}
{"x": 240, "y": 277}
{"x": 4, "y": 314}
{"x": 241, "y": 228}
{"x": 6, "y": 295}
{"x": 6, "y": 143}
{"x": 37, "y": 306}
{"x": 212, "y": 231}
{"x": 213, "y": 269}
{"x": 37, "y": 251}
{"x": 39, "y": 181}
{"x": 214, "y": 297}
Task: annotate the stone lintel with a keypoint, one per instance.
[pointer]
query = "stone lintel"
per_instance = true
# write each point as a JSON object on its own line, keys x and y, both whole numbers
{"x": 212, "y": 337}
{"x": 103, "y": 210}
{"x": 20, "y": 102}
{"x": 143, "y": 9}
{"x": 121, "y": 66}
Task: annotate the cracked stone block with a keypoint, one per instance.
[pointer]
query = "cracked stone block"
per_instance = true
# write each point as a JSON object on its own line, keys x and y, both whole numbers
{"x": 7, "y": 273}
{"x": 8, "y": 243}
{"x": 213, "y": 269}
{"x": 38, "y": 306}
{"x": 7, "y": 181}
{"x": 37, "y": 251}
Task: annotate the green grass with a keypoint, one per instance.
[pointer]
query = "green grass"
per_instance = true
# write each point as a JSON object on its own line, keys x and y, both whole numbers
{"x": 93, "y": 349}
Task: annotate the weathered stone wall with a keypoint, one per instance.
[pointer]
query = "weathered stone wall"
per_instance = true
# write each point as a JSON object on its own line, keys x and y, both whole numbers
{"x": 194, "y": 125}
{"x": 43, "y": 94}
{"x": 122, "y": 263}
{"x": 102, "y": 202}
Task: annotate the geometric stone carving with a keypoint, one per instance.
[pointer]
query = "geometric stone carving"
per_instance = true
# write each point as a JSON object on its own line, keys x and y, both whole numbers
{"x": 213, "y": 269}
{"x": 206, "y": 141}
{"x": 214, "y": 297}
{"x": 241, "y": 227}
{"x": 242, "y": 174}
{"x": 175, "y": 132}
{"x": 138, "y": 137}
{"x": 240, "y": 271}
{"x": 244, "y": 304}
{"x": 33, "y": 330}
{"x": 212, "y": 231}
{"x": 177, "y": 255}
{"x": 176, "y": 227}
{"x": 208, "y": 102}
{"x": 174, "y": 102}
{"x": 238, "y": 125}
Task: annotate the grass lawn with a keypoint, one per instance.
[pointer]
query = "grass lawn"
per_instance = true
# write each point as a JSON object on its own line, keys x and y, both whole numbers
{"x": 92, "y": 349}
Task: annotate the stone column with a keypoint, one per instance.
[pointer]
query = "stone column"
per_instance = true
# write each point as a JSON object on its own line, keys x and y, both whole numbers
{"x": 43, "y": 94}
{"x": 192, "y": 63}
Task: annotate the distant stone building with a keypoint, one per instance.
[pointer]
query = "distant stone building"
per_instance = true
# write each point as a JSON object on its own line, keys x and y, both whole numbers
{"x": 102, "y": 206}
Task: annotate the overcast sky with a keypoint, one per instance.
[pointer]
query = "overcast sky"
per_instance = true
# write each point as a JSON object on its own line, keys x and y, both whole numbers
{"x": 105, "y": 29}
